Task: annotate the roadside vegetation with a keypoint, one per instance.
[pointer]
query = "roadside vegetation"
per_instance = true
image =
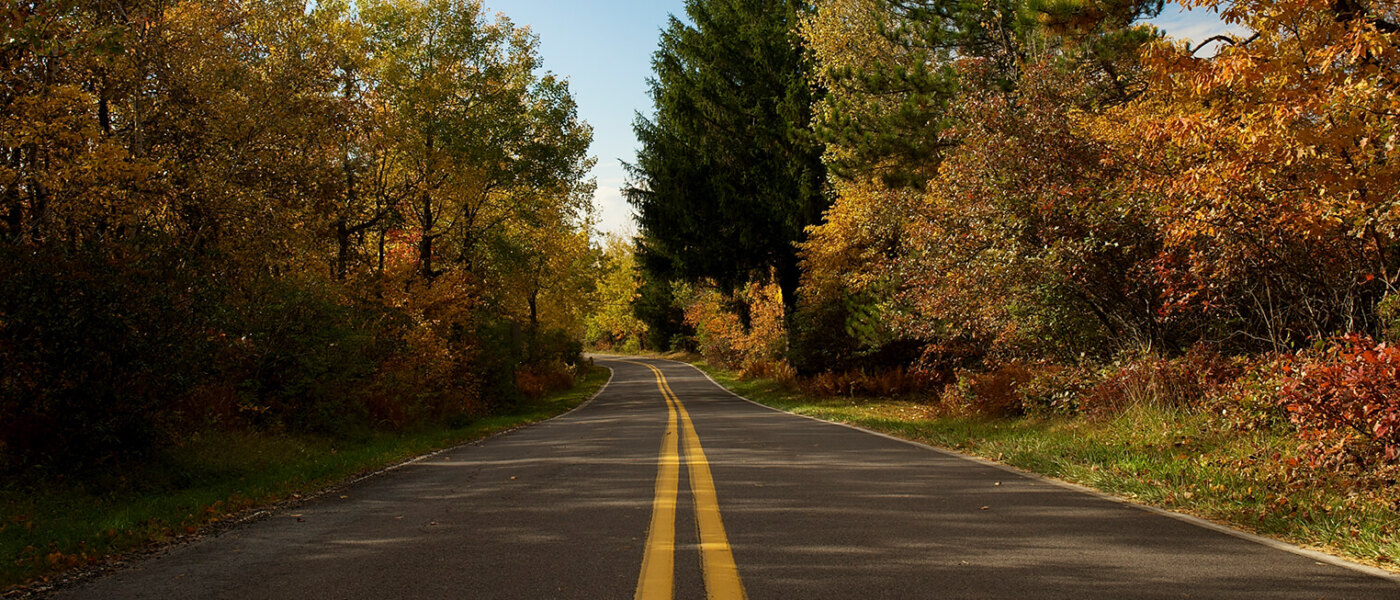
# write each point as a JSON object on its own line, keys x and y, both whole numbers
{"x": 217, "y": 477}
{"x": 1051, "y": 233}
{"x": 285, "y": 226}
{"x": 250, "y": 248}
{"x": 1198, "y": 462}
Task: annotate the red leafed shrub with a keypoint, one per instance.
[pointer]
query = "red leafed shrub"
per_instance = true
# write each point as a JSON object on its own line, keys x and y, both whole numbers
{"x": 1183, "y": 382}
{"x": 1348, "y": 402}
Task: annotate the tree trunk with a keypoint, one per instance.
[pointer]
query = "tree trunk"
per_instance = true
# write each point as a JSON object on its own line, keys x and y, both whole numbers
{"x": 342, "y": 256}
{"x": 425, "y": 243}
{"x": 789, "y": 277}
{"x": 532, "y": 336}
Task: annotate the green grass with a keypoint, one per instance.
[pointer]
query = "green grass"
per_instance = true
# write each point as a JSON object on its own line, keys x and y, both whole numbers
{"x": 1167, "y": 458}
{"x": 47, "y": 528}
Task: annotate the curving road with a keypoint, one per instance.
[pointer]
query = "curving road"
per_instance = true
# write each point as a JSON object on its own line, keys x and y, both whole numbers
{"x": 666, "y": 485}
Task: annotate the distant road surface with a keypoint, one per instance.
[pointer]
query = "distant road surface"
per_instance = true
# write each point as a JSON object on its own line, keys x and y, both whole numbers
{"x": 667, "y": 486}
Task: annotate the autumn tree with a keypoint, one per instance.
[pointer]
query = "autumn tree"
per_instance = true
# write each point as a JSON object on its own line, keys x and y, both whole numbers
{"x": 282, "y": 213}
{"x": 957, "y": 155}
{"x": 1024, "y": 244}
{"x": 613, "y": 322}
{"x": 488, "y": 135}
{"x": 1272, "y": 164}
{"x": 67, "y": 177}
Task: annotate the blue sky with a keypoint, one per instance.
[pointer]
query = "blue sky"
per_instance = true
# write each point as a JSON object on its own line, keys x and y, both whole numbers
{"x": 604, "y": 48}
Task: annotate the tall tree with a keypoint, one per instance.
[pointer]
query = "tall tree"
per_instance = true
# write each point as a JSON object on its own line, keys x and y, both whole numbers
{"x": 936, "y": 115}
{"x": 728, "y": 175}
{"x": 490, "y": 139}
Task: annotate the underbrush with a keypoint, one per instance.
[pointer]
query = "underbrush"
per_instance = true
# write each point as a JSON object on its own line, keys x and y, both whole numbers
{"x": 109, "y": 360}
{"x": 49, "y": 525}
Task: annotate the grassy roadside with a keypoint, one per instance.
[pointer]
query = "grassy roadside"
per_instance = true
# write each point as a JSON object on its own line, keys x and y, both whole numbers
{"x": 1165, "y": 458}
{"x": 61, "y": 525}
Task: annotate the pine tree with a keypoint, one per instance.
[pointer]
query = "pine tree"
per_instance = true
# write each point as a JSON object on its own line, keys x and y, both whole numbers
{"x": 729, "y": 174}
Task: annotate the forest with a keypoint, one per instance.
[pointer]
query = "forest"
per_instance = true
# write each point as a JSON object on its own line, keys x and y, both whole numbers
{"x": 238, "y": 230}
{"x": 1034, "y": 207}
{"x": 326, "y": 217}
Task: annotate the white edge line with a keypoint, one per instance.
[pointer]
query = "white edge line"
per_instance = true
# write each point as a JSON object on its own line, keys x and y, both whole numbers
{"x": 1318, "y": 556}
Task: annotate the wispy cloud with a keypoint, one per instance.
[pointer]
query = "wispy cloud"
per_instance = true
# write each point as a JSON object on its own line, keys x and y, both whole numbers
{"x": 614, "y": 214}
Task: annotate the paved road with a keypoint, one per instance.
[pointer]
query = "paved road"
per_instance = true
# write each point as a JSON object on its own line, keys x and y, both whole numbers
{"x": 573, "y": 508}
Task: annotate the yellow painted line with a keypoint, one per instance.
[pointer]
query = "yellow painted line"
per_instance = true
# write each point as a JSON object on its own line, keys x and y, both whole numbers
{"x": 722, "y": 580}
{"x": 658, "y": 563}
{"x": 716, "y": 558}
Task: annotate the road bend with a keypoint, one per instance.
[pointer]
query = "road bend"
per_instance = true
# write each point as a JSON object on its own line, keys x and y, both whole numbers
{"x": 667, "y": 486}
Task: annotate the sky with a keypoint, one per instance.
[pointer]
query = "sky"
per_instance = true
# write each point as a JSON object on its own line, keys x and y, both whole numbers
{"x": 604, "y": 49}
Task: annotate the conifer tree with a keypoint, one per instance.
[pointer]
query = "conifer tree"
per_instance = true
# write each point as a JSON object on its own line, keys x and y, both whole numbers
{"x": 729, "y": 175}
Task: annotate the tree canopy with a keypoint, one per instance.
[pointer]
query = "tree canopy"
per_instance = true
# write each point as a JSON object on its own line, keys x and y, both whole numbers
{"x": 348, "y": 207}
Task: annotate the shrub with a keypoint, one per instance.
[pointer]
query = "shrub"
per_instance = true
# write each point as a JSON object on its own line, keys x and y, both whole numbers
{"x": 534, "y": 381}
{"x": 1055, "y": 390}
{"x": 1251, "y": 401}
{"x": 893, "y": 382}
{"x": 831, "y": 384}
{"x": 777, "y": 370}
{"x": 883, "y": 383}
{"x": 1347, "y": 403}
{"x": 819, "y": 338}
{"x": 109, "y": 359}
{"x": 95, "y": 352}
{"x": 1181, "y": 383}
{"x": 306, "y": 353}
{"x": 681, "y": 343}
{"x": 553, "y": 345}
{"x": 1388, "y": 316}
{"x": 725, "y": 337}
{"x": 991, "y": 394}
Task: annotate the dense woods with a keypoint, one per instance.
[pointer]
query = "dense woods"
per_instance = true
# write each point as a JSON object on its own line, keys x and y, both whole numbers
{"x": 324, "y": 217}
{"x": 1049, "y": 206}
{"x": 336, "y": 217}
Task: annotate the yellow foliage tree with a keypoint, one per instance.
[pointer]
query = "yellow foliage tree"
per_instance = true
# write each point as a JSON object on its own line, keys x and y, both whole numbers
{"x": 1271, "y": 166}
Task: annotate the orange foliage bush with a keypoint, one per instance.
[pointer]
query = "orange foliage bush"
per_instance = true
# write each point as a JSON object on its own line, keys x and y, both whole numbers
{"x": 779, "y": 371}
{"x": 725, "y": 339}
{"x": 884, "y": 383}
{"x": 536, "y": 381}
{"x": 993, "y": 394}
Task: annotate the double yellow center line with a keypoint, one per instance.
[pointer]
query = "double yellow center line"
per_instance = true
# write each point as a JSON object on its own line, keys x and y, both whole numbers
{"x": 657, "y": 580}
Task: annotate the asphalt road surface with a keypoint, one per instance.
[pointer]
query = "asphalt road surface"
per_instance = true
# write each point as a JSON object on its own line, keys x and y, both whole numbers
{"x": 666, "y": 485}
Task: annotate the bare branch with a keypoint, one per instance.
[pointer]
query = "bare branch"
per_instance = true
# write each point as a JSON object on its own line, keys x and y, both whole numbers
{"x": 1224, "y": 39}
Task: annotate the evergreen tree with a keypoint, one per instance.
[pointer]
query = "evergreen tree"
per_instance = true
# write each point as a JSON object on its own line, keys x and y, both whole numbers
{"x": 729, "y": 174}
